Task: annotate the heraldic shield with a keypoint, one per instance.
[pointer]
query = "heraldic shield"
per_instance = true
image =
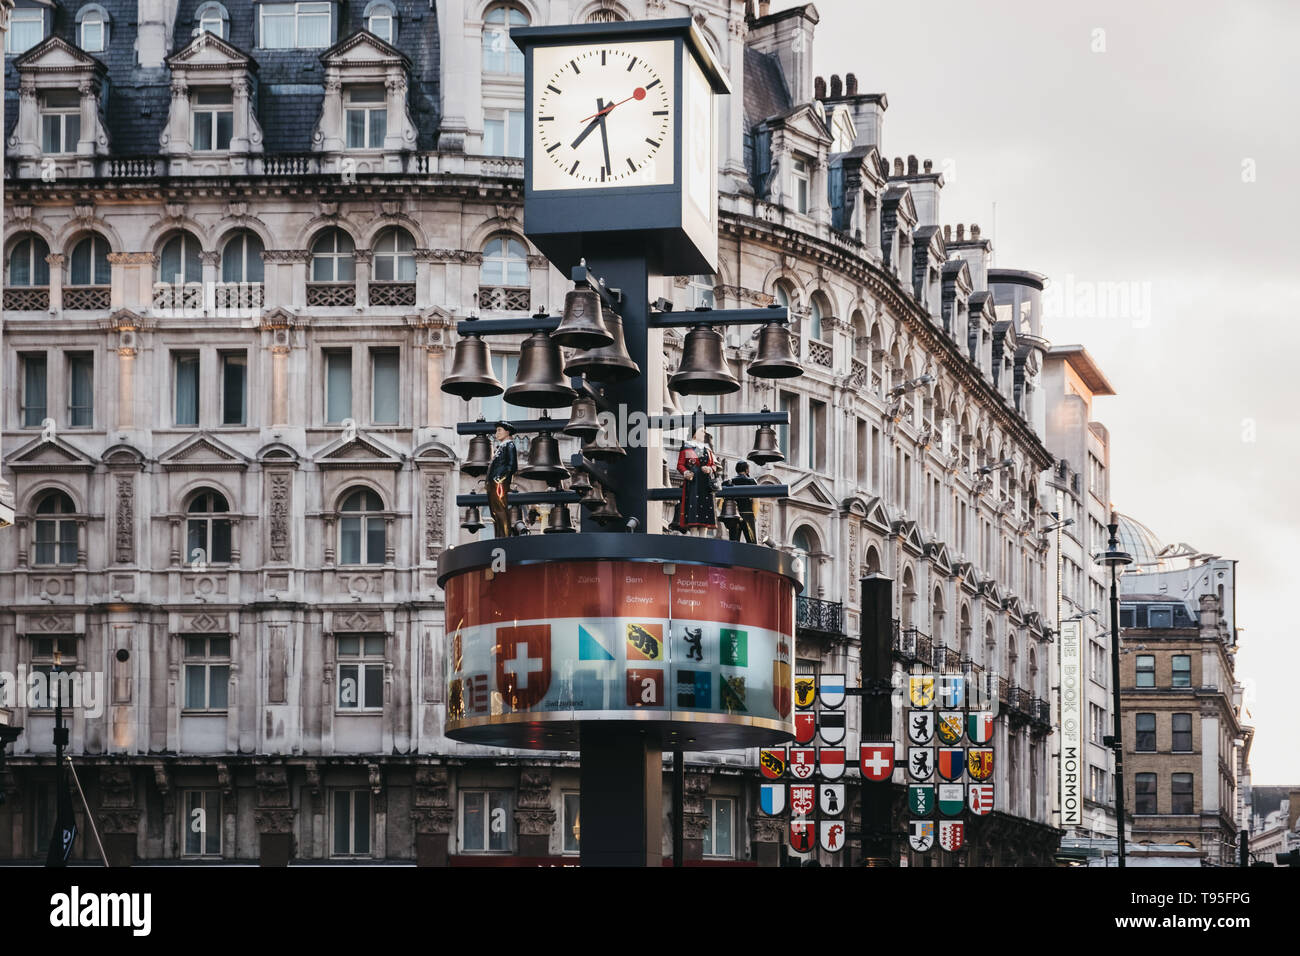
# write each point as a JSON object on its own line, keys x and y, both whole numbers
{"x": 979, "y": 727}
{"x": 951, "y": 761}
{"x": 832, "y": 835}
{"x": 979, "y": 762}
{"x": 920, "y": 799}
{"x": 981, "y": 799}
{"x": 830, "y": 688}
{"x": 802, "y": 835}
{"x": 920, "y": 762}
{"x": 949, "y": 727}
{"x": 830, "y": 761}
{"x": 805, "y": 690}
{"x": 830, "y": 797}
{"x": 523, "y": 664}
{"x": 952, "y": 835}
{"x": 952, "y": 690}
{"x": 771, "y": 762}
{"x": 771, "y": 798}
{"x": 952, "y": 799}
{"x": 803, "y": 799}
{"x": 920, "y": 726}
{"x": 877, "y": 761}
{"x": 832, "y": 726}
{"x": 921, "y": 836}
{"x": 920, "y": 690}
{"x": 805, "y": 726}
{"x": 803, "y": 761}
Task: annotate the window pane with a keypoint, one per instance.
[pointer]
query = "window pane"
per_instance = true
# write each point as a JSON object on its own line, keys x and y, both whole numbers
{"x": 349, "y": 686}
{"x": 350, "y": 541}
{"x": 33, "y": 390}
{"x": 79, "y": 268}
{"x": 374, "y": 540}
{"x": 342, "y": 821}
{"x": 356, "y": 129}
{"x": 472, "y": 822}
{"x": 498, "y": 821}
{"x": 196, "y": 542}
{"x": 349, "y": 646}
{"x": 494, "y": 135}
{"x": 81, "y": 396}
{"x": 374, "y": 646}
{"x": 52, "y": 133}
{"x": 195, "y": 822}
{"x": 187, "y": 390}
{"x": 378, "y": 128}
{"x": 45, "y": 542}
{"x": 361, "y": 821}
{"x": 219, "y": 647}
{"x": 277, "y": 25}
{"x": 515, "y": 142}
{"x": 225, "y": 125}
{"x": 722, "y": 844}
{"x": 195, "y": 686}
{"x": 338, "y": 385}
{"x": 203, "y": 130}
{"x": 313, "y": 25}
{"x": 68, "y": 543}
{"x": 234, "y": 378}
{"x": 220, "y": 542}
{"x": 374, "y": 686}
{"x": 385, "y": 378}
{"x": 218, "y": 685}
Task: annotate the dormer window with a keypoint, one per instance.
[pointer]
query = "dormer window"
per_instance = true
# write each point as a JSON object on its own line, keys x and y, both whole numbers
{"x": 92, "y": 28}
{"x": 214, "y": 119}
{"x": 295, "y": 26}
{"x": 802, "y": 182}
{"x": 500, "y": 55}
{"x": 212, "y": 18}
{"x": 26, "y": 29}
{"x": 60, "y": 122}
{"x": 367, "y": 117}
{"x": 381, "y": 20}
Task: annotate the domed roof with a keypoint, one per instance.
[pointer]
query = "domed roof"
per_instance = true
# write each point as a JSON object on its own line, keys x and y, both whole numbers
{"x": 1141, "y": 542}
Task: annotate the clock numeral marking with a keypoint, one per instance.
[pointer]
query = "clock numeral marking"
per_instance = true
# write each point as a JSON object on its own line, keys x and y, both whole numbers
{"x": 551, "y": 149}
{"x": 543, "y": 119}
{"x": 652, "y": 142}
{"x": 574, "y": 64}
{"x": 631, "y": 165}
{"x": 652, "y": 85}
{"x": 632, "y": 64}
{"x": 602, "y": 174}
{"x": 573, "y": 168}
{"x": 655, "y": 113}
{"x": 552, "y": 88}
{"x": 602, "y": 57}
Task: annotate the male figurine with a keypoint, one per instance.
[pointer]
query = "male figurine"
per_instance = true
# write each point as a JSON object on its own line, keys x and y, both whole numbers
{"x": 745, "y": 506}
{"x": 505, "y": 462}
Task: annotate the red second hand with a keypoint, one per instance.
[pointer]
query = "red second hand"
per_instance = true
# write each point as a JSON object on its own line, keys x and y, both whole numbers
{"x": 637, "y": 94}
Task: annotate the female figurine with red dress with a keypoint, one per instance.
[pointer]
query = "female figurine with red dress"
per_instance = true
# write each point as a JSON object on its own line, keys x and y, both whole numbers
{"x": 696, "y": 463}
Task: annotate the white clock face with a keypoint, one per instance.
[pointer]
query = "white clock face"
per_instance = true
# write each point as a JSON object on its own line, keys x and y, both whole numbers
{"x": 603, "y": 115}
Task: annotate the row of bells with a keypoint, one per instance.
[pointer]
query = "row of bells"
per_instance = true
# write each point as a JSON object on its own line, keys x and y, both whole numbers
{"x": 599, "y": 508}
{"x": 542, "y": 380}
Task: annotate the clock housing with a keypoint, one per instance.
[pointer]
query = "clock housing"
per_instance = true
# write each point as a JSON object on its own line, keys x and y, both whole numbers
{"x": 621, "y": 142}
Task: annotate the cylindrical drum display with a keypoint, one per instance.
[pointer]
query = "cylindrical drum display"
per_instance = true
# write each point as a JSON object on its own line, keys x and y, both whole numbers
{"x": 699, "y": 655}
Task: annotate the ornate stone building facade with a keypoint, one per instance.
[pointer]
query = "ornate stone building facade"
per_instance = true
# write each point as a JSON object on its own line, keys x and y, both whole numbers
{"x": 241, "y": 234}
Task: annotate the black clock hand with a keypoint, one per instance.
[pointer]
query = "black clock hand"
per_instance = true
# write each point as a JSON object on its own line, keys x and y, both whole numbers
{"x": 586, "y": 132}
{"x": 604, "y": 136}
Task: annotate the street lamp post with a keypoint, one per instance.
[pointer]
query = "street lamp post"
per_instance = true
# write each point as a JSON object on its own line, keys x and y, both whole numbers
{"x": 1116, "y": 559}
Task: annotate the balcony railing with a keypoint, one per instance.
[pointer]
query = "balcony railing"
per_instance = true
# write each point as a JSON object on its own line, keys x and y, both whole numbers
{"x": 924, "y": 649}
{"x": 825, "y": 617}
{"x": 1041, "y": 711}
{"x": 504, "y": 299}
{"x": 332, "y": 293}
{"x": 169, "y": 296}
{"x": 290, "y": 164}
{"x": 131, "y": 167}
{"x": 819, "y": 353}
{"x": 1021, "y": 700}
{"x": 392, "y": 293}
{"x": 89, "y": 298}
{"x": 859, "y": 373}
{"x": 951, "y": 661}
{"x": 239, "y": 295}
{"x": 1004, "y": 691}
{"x": 27, "y": 299}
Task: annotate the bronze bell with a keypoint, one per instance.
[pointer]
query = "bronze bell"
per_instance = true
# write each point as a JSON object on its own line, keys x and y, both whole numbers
{"x": 608, "y": 363}
{"x": 579, "y": 482}
{"x": 544, "y": 461}
{"x": 540, "y": 383}
{"x": 766, "y": 449}
{"x": 583, "y": 325}
{"x": 603, "y": 447}
{"x": 704, "y": 368}
{"x": 594, "y": 497}
{"x": 559, "y": 522}
{"x": 775, "y": 358}
{"x": 472, "y": 522}
{"x": 583, "y": 420}
{"x": 730, "y": 515}
{"x": 480, "y": 457}
{"x": 605, "y": 513}
{"x": 471, "y": 370}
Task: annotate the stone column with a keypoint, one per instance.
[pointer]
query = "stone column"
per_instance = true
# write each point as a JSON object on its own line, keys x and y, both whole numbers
{"x": 395, "y": 84}
{"x": 28, "y": 131}
{"x": 328, "y": 138}
{"x": 125, "y": 384}
{"x": 694, "y": 819}
{"x": 177, "y": 134}
{"x": 280, "y": 381}
{"x": 209, "y": 259}
{"x": 89, "y": 119}
{"x": 455, "y": 77}
{"x": 432, "y": 816}
{"x": 767, "y": 835}
{"x": 534, "y": 815}
{"x": 55, "y": 260}
{"x": 423, "y": 278}
{"x": 239, "y": 142}
{"x": 275, "y": 816}
{"x": 118, "y": 817}
{"x": 362, "y": 258}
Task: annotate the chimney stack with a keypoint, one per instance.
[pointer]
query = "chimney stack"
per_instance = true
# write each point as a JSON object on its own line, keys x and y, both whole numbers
{"x": 974, "y": 231}
{"x": 961, "y": 232}
{"x": 928, "y": 166}
{"x": 850, "y": 84}
{"x": 898, "y": 166}
{"x": 819, "y": 88}
{"x": 837, "y": 89}
{"x": 763, "y": 7}
{"x": 947, "y": 233}
{"x": 911, "y": 166}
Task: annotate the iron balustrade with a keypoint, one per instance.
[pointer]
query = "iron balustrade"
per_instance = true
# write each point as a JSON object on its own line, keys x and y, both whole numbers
{"x": 814, "y": 614}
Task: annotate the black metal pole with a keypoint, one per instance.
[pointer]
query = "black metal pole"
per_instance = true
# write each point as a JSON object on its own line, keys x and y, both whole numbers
{"x": 1118, "y": 743}
{"x": 55, "y": 855}
{"x": 679, "y": 808}
{"x": 878, "y": 845}
{"x": 1245, "y": 848}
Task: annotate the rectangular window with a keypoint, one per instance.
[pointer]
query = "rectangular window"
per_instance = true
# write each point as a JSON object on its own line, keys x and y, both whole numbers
{"x": 1146, "y": 794}
{"x": 1180, "y": 791}
{"x": 1182, "y": 726}
{"x": 202, "y": 823}
{"x": 60, "y": 122}
{"x": 214, "y": 119}
{"x": 1146, "y": 733}
{"x": 186, "y": 365}
{"x": 81, "y": 390}
{"x": 506, "y": 367}
{"x": 801, "y": 185}
{"x": 1181, "y": 675}
{"x": 1146, "y": 670}
{"x": 1096, "y": 723}
{"x": 33, "y": 407}
{"x": 384, "y": 377}
{"x": 361, "y": 672}
{"x": 572, "y": 823}
{"x": 50, "y": 690}
{"x": 784, "y": 433}
{"x": 875, "y": 458}
{"x": 720, "y": 828}
{"x": 485, "y": 821}
{"x": 338, "y": 385}
{"x": 351, "y": 809}
{"x": 863, "y": 453}
{"x": 207, "y": 673}
{"x": 817, "y": 435}
{"x": 234, "y": 388}
{"x": 503, "y": 133}
{"x": 26, "y": 29}
{"x": 367, "y": 117}
{"x": 301, "y": 25}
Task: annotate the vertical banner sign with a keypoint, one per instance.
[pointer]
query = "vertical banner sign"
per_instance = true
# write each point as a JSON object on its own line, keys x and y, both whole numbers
{"x": 1071, "y": 724}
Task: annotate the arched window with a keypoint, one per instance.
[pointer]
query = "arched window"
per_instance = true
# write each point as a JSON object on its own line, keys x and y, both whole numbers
{"x": 27, "y": 265}
{"x": 783, "y": 295}
{"x": 871, "y": 563}
{"x": 500, "y": 55}
{"x": 936, "y": 616}
{"x": 907, "y": 599}
{"x": 361, "y": 528}
{"x": 56, "y": 536}
{"x": 605, "y": 16}
{"x": 92, "y": 28}
{"x": 381, "y": 20}
{"x": 88, "y": 264}
{"x": 816, "y": 310}
{"x": 241, "y": 258}
{"x": 505, "y": 262}
{"x": 805, "y": 546}
{"x": 207, "y": 535}
{"x": 212, "y": 18}
{"x": 394, "y": 256}
{"x": 179, "y": 260}
{"x": 964, "y": 633}
{"x": 333, "y": 257}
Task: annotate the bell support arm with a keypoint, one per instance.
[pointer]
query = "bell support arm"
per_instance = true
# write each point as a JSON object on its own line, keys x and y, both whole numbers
{"x": 731, "y": 491}
{"x": 528, "y": 425}
{"x": 683, "y": 320}
{"x": 523, "y": 498}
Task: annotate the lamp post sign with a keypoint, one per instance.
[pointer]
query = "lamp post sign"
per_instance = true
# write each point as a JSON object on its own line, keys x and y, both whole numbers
{"x": 1071, "y": 725}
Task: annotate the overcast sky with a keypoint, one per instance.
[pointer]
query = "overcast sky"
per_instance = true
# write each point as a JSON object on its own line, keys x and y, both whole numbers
{"x": 1152, "y": 143}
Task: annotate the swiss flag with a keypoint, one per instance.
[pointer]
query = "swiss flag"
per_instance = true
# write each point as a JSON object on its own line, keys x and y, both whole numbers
{"x": 523, "y": 664}
{"x": 877, "y": 761}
